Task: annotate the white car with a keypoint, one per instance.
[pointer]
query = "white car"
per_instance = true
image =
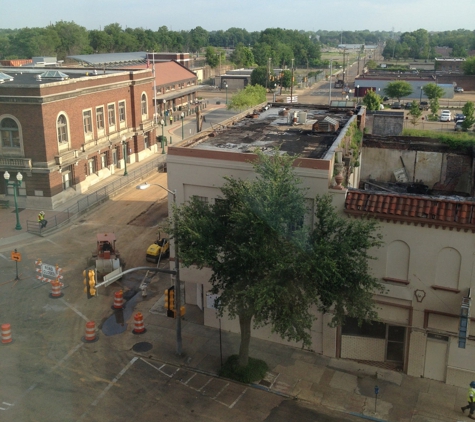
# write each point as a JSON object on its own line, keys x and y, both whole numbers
{"x": 446, "y": 116}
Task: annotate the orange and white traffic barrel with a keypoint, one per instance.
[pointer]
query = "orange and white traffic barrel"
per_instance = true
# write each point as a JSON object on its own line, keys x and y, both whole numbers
{"x": 118, "y": 300}
{"x": 6, "y": 334}
{"x": 90, "y": 336}
{"x": 139, "y": 327}
{"x": 56, "y": 290}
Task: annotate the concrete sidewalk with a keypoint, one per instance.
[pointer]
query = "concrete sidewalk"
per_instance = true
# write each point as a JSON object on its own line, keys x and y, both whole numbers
{"x": 337, "y": 384}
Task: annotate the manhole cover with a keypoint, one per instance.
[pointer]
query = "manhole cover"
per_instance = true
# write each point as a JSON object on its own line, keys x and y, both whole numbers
{"x": 142, "y": 347}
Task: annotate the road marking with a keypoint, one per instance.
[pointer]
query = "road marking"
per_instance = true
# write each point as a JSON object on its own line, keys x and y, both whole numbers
{"x": 70, "y": 353}
{"x": 109, "y": 386}
{"x": 211, "y": 379}
{"x": 160, "y": 369}
{"x": 4, "y": 257}
{"x": 189, "y": 379}
{"x": 222, "y": 389}
{"x": 5, "y": 408}
{"x": 54, "y": 243}
{"x": 75, "y": 310}
{"x": 239, "y": 398}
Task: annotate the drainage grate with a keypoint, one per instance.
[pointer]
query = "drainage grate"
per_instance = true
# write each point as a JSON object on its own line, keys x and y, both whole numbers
{"x": 142, "y": 347}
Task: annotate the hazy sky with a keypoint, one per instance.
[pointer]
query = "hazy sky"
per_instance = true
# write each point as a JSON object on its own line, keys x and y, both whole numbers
{"x": 252, "y": 15}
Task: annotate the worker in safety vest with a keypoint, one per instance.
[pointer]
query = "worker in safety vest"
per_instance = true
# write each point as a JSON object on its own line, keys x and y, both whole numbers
{"x": 41, "y": 220}
{"x": 470, "y": 399}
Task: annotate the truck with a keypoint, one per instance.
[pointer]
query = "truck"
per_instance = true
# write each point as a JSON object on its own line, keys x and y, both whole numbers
{"x": 339, "y": 83}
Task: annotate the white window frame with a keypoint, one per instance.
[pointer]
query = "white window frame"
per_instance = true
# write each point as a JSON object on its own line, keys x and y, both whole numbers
{"x": 65, "y": 144}
{"x": 122, "y": 121}
{"x": 9, "y": 150}
{"x": 100, "y": 119}
{"x": 144, "y": 105}
{"x": 111, "y": 118}
{"x": 87, "y": 124}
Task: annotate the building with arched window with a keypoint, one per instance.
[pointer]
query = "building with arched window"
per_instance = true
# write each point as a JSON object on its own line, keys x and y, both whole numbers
{"x": 65, "y": 131}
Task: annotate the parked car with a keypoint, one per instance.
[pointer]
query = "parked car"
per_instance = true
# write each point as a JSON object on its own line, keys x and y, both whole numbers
{"x": 408, "y": 106}
{"x": 458, "y": 89}
{"x": 385, "y": 98}
{"x": 446, "y": 116}
{"x": 458, "y": 125}
{"x": 396, "y": 106}
{"x": 424, "y": 105}
{"x": 458, "y": 117}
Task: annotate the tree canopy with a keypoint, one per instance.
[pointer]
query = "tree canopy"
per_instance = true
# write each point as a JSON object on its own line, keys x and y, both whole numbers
{"x": 371, "y": 100}
{"x": 433, "y": 91}
{"x": 269, "y": 267}
{"x": 398, "y": 89}
{"x": 250, "y": 96}
{"x": 468, "y": 111}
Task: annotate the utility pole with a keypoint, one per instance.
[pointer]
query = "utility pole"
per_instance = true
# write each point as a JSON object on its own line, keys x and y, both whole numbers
{"x": 292, "y": 84}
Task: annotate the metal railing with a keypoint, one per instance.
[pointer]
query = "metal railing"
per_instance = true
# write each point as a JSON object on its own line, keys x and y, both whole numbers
{"x": 96, "y": 198}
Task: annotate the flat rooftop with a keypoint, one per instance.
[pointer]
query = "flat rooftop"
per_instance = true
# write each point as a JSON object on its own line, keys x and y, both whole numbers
{"x": 271, "y": 129}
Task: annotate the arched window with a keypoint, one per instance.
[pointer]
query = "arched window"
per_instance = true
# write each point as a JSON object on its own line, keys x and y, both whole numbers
{"x": 62, "y": 125}
{"x": 144, "y": 105}
{"x": 9, "y": 133}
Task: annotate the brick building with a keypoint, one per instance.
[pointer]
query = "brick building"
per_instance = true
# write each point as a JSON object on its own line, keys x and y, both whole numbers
{"x": 66, "y": 130}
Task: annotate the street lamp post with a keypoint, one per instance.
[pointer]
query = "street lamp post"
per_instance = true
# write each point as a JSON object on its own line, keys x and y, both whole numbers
{"x": 357, "y": 94}
{"x": 177, "y": 273}
{"x": 420, "y": 98}
{"x": 16, "y": 184}
{"x": 124, "y": 147}
{"x": 226, "y": 86}
{"x": 330, "y": 78}
{"x": 182, "y": 115}
{"x": 162, "y": 139}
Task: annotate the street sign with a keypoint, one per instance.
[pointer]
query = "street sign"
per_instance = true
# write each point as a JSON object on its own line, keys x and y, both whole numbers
{"x": 292, "y": 99}
{"x": 15, "y": 256}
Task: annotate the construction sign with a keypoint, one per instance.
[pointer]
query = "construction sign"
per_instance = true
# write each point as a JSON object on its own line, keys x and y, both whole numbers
{"x": 15, "y": 256}
{"x": 48, "y": 273}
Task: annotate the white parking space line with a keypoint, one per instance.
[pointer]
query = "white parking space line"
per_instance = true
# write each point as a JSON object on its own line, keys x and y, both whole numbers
{"x": 222, "y": 389}
{"x": 239, "y": 398}
{"x": 5, "y": 408}
{"x": 69, "y": 354}
{"x": 109, "y": 386}
{"x": 189, "y": 379}
{"x": 160, "y": 369}
{"x": 4, "y": 257}
{"x": 203, "y": 386}
{"x": 75, "y": 310}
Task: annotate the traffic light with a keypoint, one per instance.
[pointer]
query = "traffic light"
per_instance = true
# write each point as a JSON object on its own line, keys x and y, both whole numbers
{"x": 170, "y": 301}
{"x": 89, "y": 282}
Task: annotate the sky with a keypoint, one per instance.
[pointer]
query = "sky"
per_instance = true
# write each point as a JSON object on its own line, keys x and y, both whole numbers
{"x": 310, "y": 15}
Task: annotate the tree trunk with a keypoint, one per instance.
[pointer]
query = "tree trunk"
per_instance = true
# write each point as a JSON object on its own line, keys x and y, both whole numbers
{"x": 245, "y": 325}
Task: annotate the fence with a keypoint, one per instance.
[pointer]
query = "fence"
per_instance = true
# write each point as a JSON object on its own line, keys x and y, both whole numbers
{"x": 97, "y": 197}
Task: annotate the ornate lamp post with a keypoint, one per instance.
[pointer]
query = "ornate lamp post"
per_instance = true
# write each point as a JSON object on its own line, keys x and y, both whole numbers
{"x": 182, "y": 115}
{"x": 16, "y": 184}
{"x": 124, "y": 147}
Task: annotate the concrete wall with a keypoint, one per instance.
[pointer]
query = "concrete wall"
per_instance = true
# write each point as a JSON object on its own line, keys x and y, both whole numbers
{"x": 387, "y": 125}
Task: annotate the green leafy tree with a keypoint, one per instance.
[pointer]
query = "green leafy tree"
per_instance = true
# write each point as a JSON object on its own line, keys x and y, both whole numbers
{"x": 469, "y": 66}
{"x": 433, "y": 91}
{"x": 242, "y": 56}
{"x": 268, "y": 267}
{"x": 398, "y": 89}
{"x": 286, "y": 79}
{"x": 415, "y": 112}
{"x": 248, "y": 97}
{"x": 212, "y": 57}
{"x": 371, "y": 64}
{"x": 469, "y": 112}
{"x": 74, "y": 39}
{"x": 371, "y": 100}
{"x": 259, "y": 76}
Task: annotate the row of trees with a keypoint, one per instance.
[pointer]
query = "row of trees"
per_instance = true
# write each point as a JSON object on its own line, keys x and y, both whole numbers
{"x": 401, "y": 89}
{"x": 420, "y": 44}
